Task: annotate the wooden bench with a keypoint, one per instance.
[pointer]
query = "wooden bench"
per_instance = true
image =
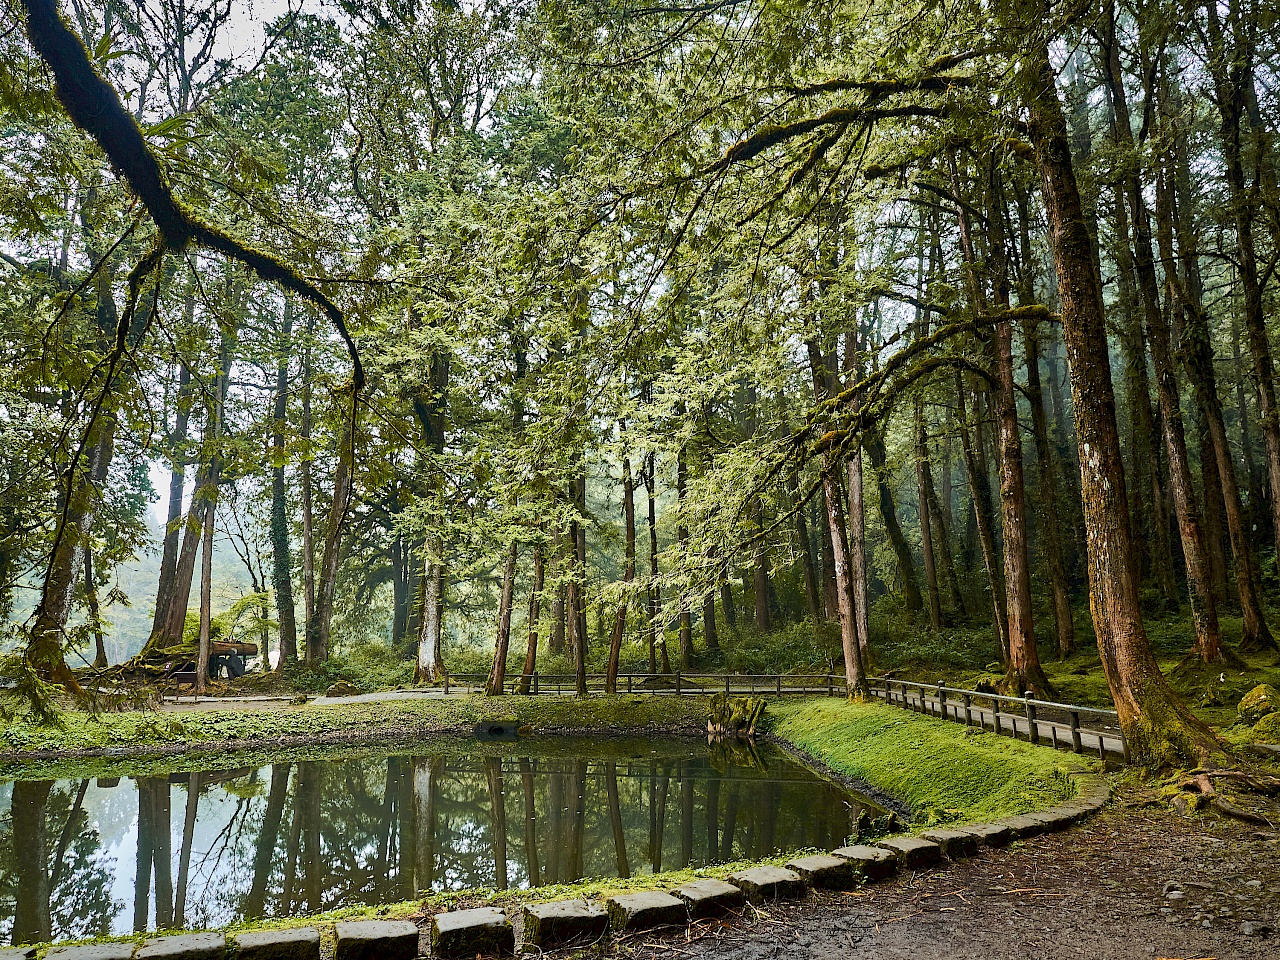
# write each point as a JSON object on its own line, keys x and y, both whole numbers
{"x": 183, "y": 677}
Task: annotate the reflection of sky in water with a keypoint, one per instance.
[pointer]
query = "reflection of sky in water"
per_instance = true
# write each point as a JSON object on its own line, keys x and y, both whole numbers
{"x": 323, "y": 834}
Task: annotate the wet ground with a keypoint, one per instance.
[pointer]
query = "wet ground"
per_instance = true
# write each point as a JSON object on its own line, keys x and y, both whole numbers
{"x": 1137, "y": 882}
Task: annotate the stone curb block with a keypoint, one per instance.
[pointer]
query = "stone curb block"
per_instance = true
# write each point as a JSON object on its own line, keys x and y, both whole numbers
{"x": 17, "y": 953}
{"x": 1023, "y": 826}
{"x": 640, "y": 911}
{"x": 192, "y": 946}
{"x": 484, "y": 931}
{"x": 92, "y": 951}
{"x": 710, "y": 898}
{"x": 300, "y": 943}
{"x": 562, "y": 922}
{"x": 912, "y": 851}
{"x": 825, "y": 871}
{"x": 989, "y": 834}
{"x": 873, "y": 863}
{"x": 376, "y": 940}
{"x": 763, "y": 884}
{"x": 955, "y": 844}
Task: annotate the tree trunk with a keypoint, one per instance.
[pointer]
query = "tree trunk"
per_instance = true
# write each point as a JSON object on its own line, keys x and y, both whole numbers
{"x": 980, "y": 492}
{"x": 628, "y": 572}
{"x": 656, "y": 635}
{"x": 1157, "y": 727}
{"x": 924, "y": 483}
{"x": 177, "y": 481}
{"x": 873, "y": 442}
{"x": 498, "y": 675}
{"x": 319, "y": 625}
{"x": 535, "y": 613}
{"x": 430, "y": 668}
{"x": 1024, "y": 672}
{"x": 682, "y": 537}
{"x": 812, "y": 599}
{"x": 282, "y": 557}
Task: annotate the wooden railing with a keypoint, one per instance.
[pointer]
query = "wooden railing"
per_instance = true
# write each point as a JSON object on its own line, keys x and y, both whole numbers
{"x": 1062, "y": 725}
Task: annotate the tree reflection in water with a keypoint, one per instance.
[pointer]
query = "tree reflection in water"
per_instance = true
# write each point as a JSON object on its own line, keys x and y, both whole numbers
{"x": 79, "y": 858}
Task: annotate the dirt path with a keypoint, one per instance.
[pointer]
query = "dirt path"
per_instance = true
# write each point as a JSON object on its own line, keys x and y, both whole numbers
{"x": 1108, "y": 890}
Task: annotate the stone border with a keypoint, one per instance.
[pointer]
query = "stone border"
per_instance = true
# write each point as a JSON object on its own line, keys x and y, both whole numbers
{"x": 548, "y": 925}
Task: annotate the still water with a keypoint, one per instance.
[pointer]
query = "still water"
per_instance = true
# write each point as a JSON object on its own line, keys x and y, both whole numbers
{"x": 202, "y": 849}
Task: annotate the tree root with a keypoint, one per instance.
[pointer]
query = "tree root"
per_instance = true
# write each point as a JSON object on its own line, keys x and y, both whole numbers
{"x": 1195, "y": 790}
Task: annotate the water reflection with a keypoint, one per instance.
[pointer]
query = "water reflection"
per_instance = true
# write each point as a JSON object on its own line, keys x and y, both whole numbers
{"x": 84, "y": 858}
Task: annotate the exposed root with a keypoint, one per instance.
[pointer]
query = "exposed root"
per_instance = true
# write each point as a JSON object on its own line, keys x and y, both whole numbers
{"x": 1196, "y": 790}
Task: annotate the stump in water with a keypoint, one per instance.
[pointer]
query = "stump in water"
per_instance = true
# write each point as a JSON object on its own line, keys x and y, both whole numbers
{"x": 734, "y": 716}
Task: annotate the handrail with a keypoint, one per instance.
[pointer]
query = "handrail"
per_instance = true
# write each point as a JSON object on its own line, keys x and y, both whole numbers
{"x": 1004, "y": 698}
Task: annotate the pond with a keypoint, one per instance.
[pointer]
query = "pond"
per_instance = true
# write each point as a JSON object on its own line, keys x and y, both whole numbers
{"x": 81, "y": 858}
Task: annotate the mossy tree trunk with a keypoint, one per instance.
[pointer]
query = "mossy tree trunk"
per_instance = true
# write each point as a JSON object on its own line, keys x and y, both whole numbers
{"x": 1158, "y": 727}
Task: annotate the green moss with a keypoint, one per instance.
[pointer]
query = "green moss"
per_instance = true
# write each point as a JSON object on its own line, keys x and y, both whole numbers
{"x": 943, "y": 771}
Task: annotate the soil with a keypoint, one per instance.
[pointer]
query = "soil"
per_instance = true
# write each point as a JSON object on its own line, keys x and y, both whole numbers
{"x": 1135, "y": 882}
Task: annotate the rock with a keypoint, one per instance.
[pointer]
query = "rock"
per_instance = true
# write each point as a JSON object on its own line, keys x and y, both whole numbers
{"x": 990, "y": 834}
{"x": 1170, "y": 886}
{"x": 300, "y": 943}
{"x": 1257, "y": 703}
{"x": 562, "y": 922}
{"x": 913, "y": 852}
{"x": 1252, "y": 928}
{"x": 734, "y": 716}
{"x": 954, "y": 843}
{"x": 1255, "y": 884}
{"x": 92, "y": 951}
{"x": 872, "y": 863}
{"x": 484, "y": 931}
{"x": 341, "y": 689}
{"x": 825, "y": 871}
{"x": 376, "y": 940}
{"x": 763, "y": 884}
{"x": 1058, "y": 818}
{"x": 710, "y": 898}
{"x": 1175, "y": 895}
{"x": 1024, "y": 826}
{"x": 641, "y": 911}
{"x": 191, "y": 946}
{"x": 17, "y": 953}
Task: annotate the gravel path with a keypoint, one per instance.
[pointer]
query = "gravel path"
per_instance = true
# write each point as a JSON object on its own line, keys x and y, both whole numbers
{"x": 1133, "y": 883}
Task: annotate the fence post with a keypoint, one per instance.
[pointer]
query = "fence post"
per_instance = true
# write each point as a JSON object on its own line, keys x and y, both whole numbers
{"x": 942, "y": 702}
{"x": 677, "y": 681}
{"x": 829, "y": 686}
{"x": 779, "y": 684}
{"x": 446, "y": 683}
{"x": 1076, "y": 745}
{"x": 1102, "y": 747}
{"x": 629, "y": 679}
{"x": 968, "y": 710}
{"x": 1033, "y": 729}
{"x": 726, "y": 684}
{"x": 995, "y": 716}
{"x": 535, "y": 682}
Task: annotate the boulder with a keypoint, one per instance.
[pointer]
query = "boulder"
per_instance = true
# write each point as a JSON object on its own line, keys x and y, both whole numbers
{"x": 92, "y": 951}
{"x": 1257, "y": 703}
{"x": 341, "y": 689}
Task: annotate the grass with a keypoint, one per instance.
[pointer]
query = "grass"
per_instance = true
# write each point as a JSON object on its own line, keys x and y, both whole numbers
{"x": 944, "y": 772}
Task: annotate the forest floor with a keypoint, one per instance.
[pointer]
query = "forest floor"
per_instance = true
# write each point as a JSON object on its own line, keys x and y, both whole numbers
{"x": 1137, "y": 881}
